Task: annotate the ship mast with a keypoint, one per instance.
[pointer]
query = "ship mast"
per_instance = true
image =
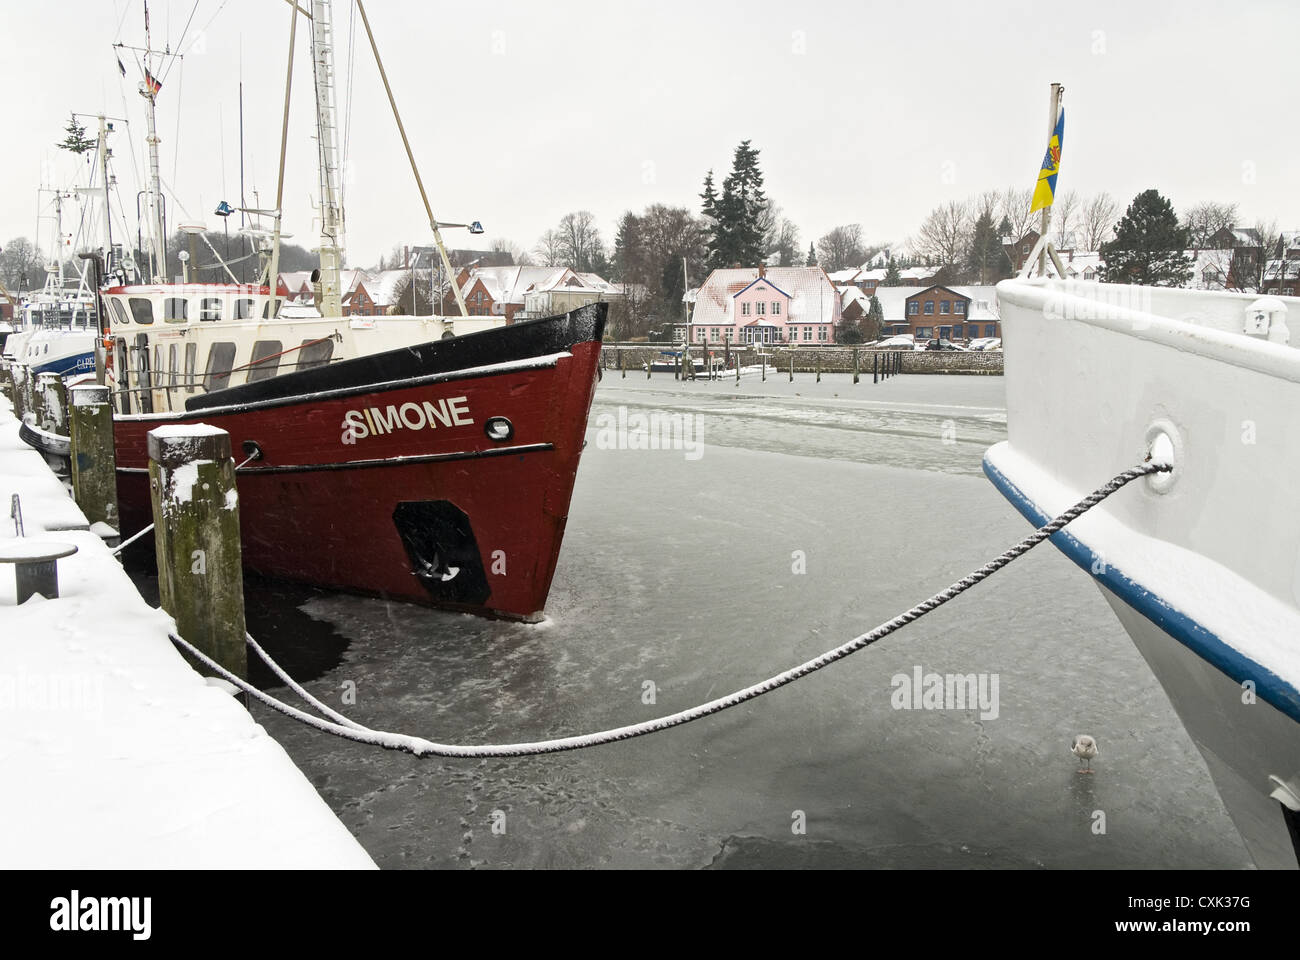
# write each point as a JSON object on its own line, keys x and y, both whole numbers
{"x": 149, "y": 91}
{"x": 331, "y": 210}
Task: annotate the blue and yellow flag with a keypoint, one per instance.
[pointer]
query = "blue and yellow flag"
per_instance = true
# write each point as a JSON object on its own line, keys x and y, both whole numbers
{"x": 1045, "y": 191}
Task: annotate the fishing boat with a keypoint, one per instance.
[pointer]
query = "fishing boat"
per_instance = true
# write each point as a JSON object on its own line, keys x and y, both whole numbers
{"x": 1201, "y": 564}
{"x": 426, "y": 459}
{"x": 439, "y": 473}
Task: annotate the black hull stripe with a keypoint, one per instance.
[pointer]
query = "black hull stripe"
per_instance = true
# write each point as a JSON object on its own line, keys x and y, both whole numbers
{"x": 396, "y": 462}
{"x": 360, "y": 390}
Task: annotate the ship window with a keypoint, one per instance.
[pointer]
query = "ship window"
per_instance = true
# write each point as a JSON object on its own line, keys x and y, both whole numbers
{"x": 173, "y": 354}
{"x": 158, "y": 365}
{"x": 142, "y": 309}
{"x": 191, "y": 360}
{"x": 119, "y": 311}
{"x": 175, "y": 309}
{"x": 315, "y": 354}
{"x": 244, "y": 309}
{"x": 210, "y": 309}
{"x": 266, "y": 360}
{"x": 221, "y": 357}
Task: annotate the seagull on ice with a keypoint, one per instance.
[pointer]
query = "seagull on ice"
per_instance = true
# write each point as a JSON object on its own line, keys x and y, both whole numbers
{"x": 1085, "y": 748}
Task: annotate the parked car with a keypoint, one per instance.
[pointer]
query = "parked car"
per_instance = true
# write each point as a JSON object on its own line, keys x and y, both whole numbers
{"x": 940, "y": 344}
{"x": 986, "y": 343}
{"x": 902, "y": 341}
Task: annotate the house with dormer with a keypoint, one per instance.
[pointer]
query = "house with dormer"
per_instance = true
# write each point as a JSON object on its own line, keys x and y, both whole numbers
{"x": 778, "y": 305}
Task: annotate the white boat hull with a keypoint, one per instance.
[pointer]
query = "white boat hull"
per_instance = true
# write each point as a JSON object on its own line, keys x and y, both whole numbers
{"x": 1203, "y": 567}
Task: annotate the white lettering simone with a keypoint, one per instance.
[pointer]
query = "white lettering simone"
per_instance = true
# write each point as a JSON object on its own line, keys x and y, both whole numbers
{"x": 373, "y": 421}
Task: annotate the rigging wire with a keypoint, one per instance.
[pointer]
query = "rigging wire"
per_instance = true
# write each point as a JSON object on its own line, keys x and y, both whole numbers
{"x": 180, "y": 44}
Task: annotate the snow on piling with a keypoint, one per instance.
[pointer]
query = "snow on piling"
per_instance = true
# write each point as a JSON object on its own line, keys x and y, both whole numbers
{"x": 196, "y": 537}
{"x": 94, "y": 461}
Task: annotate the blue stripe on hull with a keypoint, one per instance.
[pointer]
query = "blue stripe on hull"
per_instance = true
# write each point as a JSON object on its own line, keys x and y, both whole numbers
{"x": 67, "y": 366}
{"x": 1270, "y": 688}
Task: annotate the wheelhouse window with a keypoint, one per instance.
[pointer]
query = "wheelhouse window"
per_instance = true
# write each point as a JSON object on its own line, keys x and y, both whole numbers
{"x": 221, "y": 357}
{"x": 119, "y": 311}
{"x": 315, "y": 354}
{"x": 266, "y": 361}
{"x": 191, "y": 361}
{"x": 176, "y": 309}
{"x": 141, "y": 309}
{"x": 210, "y": 309}
{"x": 244, "y": 309}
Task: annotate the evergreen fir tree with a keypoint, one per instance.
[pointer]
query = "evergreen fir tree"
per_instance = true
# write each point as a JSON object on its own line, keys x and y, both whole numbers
{"x": 76, "y": 140}
{"x": 812, "y": 256}
{"x": 875, "y": 317}
{"x": 735, "y": 215}
{"x": 1149, "y": 245}
{"x": 986, "y": 261}
{"x": 892, "y": 279}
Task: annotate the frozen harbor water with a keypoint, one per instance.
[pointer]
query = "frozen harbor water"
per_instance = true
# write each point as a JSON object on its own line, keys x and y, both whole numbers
{"x": 681, "y": 573}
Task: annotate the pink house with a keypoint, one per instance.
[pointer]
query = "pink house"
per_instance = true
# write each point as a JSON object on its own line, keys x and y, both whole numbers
{"x": 783, "y": 305}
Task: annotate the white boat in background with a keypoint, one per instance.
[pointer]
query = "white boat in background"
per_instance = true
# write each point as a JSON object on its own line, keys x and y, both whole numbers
{"x": 1201, "y": 565}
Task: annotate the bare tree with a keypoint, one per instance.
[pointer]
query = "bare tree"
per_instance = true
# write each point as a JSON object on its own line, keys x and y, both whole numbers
{"x": 944, "y": 235}
{"x": 1014, "y": 208}
{"x": 1206, "y": 219}
{"x": 551, "y": 249}
{"x": 583, "y": 248}
{"x": 517, "y": 253}
{"x": 20, "y": 260}
{"x": 1252, "y": 267}
{"x": 841, "y": 248}
{"x": 1066, "y": 214}
{"x": 1100, "y": 214}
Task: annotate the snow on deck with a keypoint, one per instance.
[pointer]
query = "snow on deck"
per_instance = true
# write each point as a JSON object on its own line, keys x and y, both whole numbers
{"x": 115, "y": 753}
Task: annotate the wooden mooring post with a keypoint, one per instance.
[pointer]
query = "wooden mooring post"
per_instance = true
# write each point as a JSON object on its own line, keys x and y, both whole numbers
{"x": 855, "y": 364}
{"x": 819, "y": 368}
{"x": 94, "y": 461}
{"x": 792, "y": 366}
{"x": 622, "y": 364}
{"x": 196, "y": 538}
{"x": 53, "y": 402}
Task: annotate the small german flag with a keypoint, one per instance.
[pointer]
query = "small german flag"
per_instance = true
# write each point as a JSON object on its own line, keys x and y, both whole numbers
{"x": 152, "y": 82}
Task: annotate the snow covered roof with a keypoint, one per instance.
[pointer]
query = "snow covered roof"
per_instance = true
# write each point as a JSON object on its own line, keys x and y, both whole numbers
{"x": 1209, "y": 269}
{"x": 844, "y": 276}
{"x": 813, "y": 299}
{"x": 512, "y": 284}
{"x": 1274, "y": 267}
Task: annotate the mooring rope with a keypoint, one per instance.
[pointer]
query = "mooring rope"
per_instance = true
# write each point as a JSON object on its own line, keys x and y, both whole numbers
{"x": 420, "y": 747}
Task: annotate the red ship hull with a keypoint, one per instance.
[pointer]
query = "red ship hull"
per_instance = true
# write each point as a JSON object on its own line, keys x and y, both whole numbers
{"x": 409, "y": 488}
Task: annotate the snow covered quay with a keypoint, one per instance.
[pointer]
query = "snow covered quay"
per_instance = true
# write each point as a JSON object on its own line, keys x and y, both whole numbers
{"x": 115, "y": 753}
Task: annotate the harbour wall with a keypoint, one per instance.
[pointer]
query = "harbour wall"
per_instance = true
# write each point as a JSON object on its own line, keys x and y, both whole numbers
{"x": 830, "y": 359}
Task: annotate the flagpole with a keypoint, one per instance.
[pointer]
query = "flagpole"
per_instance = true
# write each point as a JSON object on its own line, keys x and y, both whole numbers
{"x": 1053, "y": 112}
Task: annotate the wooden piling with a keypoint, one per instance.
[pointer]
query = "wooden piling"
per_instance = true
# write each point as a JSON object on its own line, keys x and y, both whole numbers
{"x": 622, "y": 363}
{"x": 763, "y": 357}
{"x": 56, "y": 402}
{"x": 875, "y": 368}
{"x": 819, "y": 368}
{"x": 855, "y": 364}
{"x": 792, "y": 366}
{"x": 94, "y": 461}
{"x": 196, "y": 537}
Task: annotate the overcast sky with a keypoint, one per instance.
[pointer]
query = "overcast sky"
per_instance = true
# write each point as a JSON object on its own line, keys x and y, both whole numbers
{"x": 864, "y": 112}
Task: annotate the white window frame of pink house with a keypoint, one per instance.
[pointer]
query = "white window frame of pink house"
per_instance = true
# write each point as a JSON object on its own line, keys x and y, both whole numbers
{"x": 776, "y": 308}
{"x": 760, "y": 308}
{"x": 744, "y": 309}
